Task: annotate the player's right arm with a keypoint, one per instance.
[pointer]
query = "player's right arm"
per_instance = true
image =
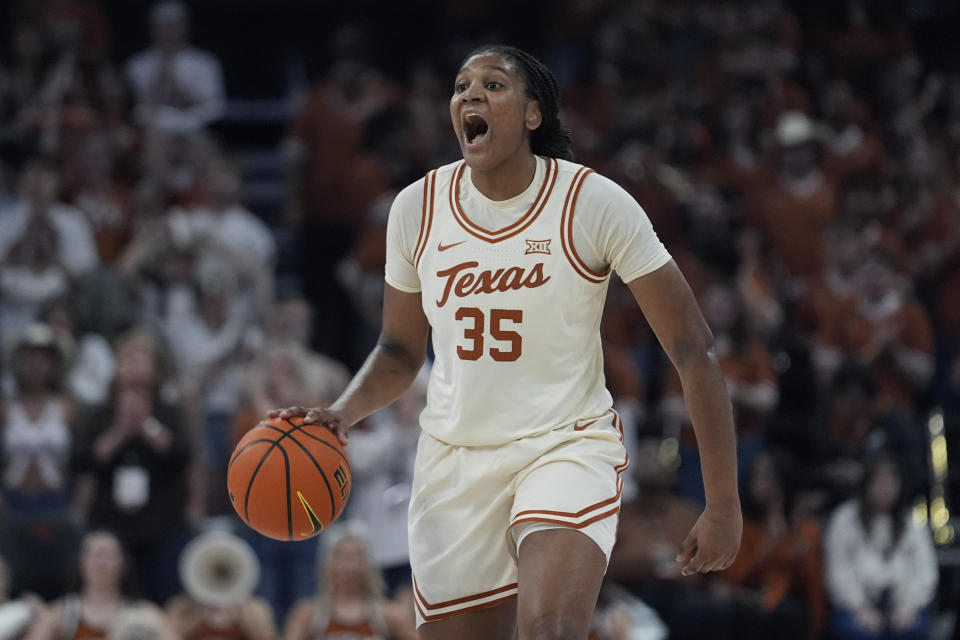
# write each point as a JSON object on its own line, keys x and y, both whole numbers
{"x": 393, "y": 364}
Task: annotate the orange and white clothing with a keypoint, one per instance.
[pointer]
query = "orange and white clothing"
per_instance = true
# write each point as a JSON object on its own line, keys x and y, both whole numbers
{"x": 36, "y": 451}
{"x": 337, "y": 630}
{"x": 73, "y": 626}
{"x": 517, "y": 309}
{"x": 325, "y": 626}
{"x": 519, "y": 427}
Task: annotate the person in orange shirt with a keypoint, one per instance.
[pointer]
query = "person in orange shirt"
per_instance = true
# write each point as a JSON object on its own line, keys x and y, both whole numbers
{"x": 888, "y": 328}
{"x": 793, "y": 205}
{"x": 103, "y": 598}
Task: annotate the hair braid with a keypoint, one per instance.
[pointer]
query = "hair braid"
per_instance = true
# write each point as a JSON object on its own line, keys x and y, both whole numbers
{"x": 552, "y": 138}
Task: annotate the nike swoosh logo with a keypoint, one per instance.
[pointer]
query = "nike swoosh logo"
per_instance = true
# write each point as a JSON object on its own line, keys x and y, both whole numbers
{"x": 314, "y": 520}
{"x": 584, "y": 426}
{"x": 444, "y": 247}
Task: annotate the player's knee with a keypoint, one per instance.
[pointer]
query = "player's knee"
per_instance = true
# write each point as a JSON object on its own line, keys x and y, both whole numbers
{"x": 553, "y": 625}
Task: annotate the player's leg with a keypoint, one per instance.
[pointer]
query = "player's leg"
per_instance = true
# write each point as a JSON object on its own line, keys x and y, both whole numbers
{"x": 564, "y": 524}
{"x": 498, "y": 622}
{"x": 560, "y": 575}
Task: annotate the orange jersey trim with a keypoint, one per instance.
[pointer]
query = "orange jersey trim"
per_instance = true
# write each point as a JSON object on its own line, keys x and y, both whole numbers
{"x": 564, "y": 523}
{"x": 423, "y": 605}
{"x": 517, "y": 227}
{"x": 566, "y": 231}
{"x": 449, "y": 614}
{"x": 464, "y": 599}
{"x": 429, "y": 184}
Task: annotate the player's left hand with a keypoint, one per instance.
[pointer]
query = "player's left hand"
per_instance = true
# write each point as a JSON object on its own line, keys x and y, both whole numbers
{"x": 713, "y": 542}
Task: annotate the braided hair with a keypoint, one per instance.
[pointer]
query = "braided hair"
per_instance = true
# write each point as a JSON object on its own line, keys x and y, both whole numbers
{"x": 551, "y": 139}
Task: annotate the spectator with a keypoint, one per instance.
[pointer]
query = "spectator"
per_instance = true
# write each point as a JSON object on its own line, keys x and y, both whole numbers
{"x": 177, "y": 87}
{"x": 652, "y": 525}
{"x": 793, "y": 206}
{"x": 210, "y": 341}
{"x": 36, "y": 441}
{"x": 291, "y": 324}
{"x": 79, "y": 90}
{"x": 217, "y": 219}
{"x": 94, "y": 186}
{"x": 880, "y": 563}
{"x": 133, "y": 456}
{"x": 30, "y": 277}
{"x": 103, "y": 597}
{"x": 334, "y": 181}
{"x": 90, "y": 371}
{"x": 38, "y": 204}
{"x": 349, "y": 597}
{"x": 779, "y": 571}
{"x": 37, "y": 434}
{"x": 889, "y": 331}
{"x": 826, "y": 299}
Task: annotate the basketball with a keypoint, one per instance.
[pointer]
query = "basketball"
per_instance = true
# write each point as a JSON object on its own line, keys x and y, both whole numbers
{"x": 288, "y": 480}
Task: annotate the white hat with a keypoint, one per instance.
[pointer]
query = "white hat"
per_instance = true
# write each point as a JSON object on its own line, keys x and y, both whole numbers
{"x": 793, "y": 128}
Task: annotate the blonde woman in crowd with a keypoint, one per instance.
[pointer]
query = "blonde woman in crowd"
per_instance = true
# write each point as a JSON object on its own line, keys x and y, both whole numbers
{"x": 349, "y": 604}
{"x": 103, "y": 599}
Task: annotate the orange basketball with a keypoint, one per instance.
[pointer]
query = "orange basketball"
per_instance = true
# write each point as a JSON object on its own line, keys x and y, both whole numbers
{"x": 289, "y": 480}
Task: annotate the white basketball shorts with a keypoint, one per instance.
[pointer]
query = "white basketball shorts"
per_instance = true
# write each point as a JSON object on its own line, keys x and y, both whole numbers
{"x": 471, "y": 507}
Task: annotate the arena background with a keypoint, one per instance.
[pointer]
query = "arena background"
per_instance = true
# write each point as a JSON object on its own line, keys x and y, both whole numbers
{"x": 243, "y": 254}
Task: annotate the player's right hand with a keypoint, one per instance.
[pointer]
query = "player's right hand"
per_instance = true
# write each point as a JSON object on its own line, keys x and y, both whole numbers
{"x": 316, "y": 415}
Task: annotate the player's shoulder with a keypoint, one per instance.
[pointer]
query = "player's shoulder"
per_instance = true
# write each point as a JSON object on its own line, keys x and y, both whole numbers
{"x": 591, "y": 182}
{"x": 595, "y": 193}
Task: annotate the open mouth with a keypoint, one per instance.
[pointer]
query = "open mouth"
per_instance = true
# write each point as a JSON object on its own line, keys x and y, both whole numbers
{"x": 475, "y": 128}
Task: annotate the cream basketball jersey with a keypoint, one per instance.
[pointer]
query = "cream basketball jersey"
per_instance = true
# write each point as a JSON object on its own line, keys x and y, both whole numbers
{"x": 514, "y": 311}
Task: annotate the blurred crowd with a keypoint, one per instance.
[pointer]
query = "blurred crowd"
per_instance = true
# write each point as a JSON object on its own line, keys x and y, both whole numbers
{"x": 799, "y": 162}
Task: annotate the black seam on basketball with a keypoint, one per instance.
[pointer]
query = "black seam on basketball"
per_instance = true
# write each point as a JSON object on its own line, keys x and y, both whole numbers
{"x": 274, "y": 445}
{"x": 286, "y": 465}
{"x": 300, "y": 428}
{"x": 253, "y": 476}
{"x": 248, "y": 445}
{"x": 327, "y": 444}
{"x": 270, "y": 426}
{"x": 333, "y": 504}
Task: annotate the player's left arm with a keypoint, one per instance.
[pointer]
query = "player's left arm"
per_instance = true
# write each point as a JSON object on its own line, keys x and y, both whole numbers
{"x": 614, "y": 227}
{"x": 672, "y": 311}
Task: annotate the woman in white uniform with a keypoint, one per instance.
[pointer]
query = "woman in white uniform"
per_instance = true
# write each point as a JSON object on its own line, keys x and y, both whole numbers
{"x": 505, "y": 256}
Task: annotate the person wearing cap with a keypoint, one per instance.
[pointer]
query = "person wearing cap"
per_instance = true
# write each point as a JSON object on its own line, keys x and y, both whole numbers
{"x": 36, "y": 437}
{"x": 793, "y": 206}
{"x": 36, "y": 444}
{"x": 178, "y": 88}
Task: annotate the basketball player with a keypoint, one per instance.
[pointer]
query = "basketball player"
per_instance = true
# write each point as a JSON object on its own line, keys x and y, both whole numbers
{"x": 505, "y": 256}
